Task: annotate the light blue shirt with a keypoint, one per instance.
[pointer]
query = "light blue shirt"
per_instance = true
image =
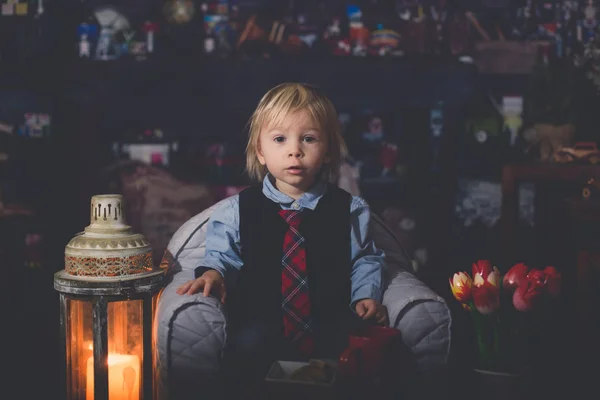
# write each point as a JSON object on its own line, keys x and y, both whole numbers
{"x": 223, "y": 250}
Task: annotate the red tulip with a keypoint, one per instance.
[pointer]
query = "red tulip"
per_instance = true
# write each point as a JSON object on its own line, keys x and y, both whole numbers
{"x": 486, "y": 298}
{"x": 486, "y": 290}
{"x": 460, "y": 284}
{"x": 537, "y": 278}
{"x": 483, "y": 268}
{"x": 515, "y": 275}
{"x": 552, "y": 280}
{"x": 493, "y": 277}
{"x": 527, "y": 295}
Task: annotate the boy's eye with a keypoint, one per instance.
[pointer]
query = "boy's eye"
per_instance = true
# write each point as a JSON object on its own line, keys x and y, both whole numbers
{"x": 309, "y": 139}
{"x": 279, "y": 139}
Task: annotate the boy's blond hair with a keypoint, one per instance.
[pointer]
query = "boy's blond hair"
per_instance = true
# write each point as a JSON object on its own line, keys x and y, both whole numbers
{"x": 287, "y": 98}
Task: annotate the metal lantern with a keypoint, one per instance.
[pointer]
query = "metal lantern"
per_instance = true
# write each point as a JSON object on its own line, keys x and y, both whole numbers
{"x": 108, "y": 293}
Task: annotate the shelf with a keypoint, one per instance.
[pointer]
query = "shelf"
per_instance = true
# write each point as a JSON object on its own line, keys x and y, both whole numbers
{"x": 585, "y": 211}
{"x": 241, "y": 82}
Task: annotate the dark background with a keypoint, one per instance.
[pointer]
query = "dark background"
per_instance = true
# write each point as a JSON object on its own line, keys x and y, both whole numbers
{"x": 198, "y": 100}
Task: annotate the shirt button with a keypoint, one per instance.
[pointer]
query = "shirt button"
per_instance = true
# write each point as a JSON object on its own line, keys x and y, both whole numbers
{"x": 295, "y": 206}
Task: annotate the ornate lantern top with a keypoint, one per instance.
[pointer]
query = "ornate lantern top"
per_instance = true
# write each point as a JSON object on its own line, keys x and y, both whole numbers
{"x": 108, "y": 248}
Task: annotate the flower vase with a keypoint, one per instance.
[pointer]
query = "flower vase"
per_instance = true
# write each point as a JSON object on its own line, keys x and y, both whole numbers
{"x": 492, "y": 385}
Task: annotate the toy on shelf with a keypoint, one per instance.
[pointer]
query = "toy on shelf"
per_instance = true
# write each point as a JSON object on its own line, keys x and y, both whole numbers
{"x": 588, "y": 25}
{"x": 384, "y": 42}
{"x": 358, "y": 34}
{"x": 36, "y": 125}
{"x": 6, "y": 128}
{"x": 150, "y": 28}
{"x": 439, "y": 17}
{"x": 112, "y": 22}
{"x": 150, "y": 146}
{"x": 333, "y": 31}
{"x": 581, "y": 152}
{"x": 302, "y": 36}
{"x": 15, "y": 8}
{"x": 179, "y": 12}
{"x": 263, "y": 35}
{"x": 375, "y": 150}
{"x": 21, "y": 8}
{"x": 87, "y": 35}
{"x": 335, "y": 39}
{"x": 219, "y": 35}
{"x": 413, "y": 28}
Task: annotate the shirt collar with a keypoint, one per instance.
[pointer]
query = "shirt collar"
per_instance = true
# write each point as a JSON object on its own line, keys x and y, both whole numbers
{"x": 308, "y": 200}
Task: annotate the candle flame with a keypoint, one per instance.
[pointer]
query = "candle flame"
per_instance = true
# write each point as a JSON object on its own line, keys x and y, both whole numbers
{"x": 112, "y": 358}
{"x": 123, "y": 377}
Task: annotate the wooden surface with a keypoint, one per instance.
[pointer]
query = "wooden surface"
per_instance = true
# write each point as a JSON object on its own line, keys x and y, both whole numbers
{"x": 506, "y": 57}
{"x": 586, "y": 232}
{"x": 514, "y": 174}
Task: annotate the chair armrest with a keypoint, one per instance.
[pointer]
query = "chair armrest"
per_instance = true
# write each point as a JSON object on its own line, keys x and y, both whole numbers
{"x": 423, "y": 317}
{"x": 190, "y": 339}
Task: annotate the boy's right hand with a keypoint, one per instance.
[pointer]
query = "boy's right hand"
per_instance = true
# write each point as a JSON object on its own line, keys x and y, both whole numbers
{"x": 209, "y": 281}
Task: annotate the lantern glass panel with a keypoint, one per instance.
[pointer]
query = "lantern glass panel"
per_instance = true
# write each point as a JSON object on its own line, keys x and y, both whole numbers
{"x": 79, "y": 345}
{"x": 125, "y": 349}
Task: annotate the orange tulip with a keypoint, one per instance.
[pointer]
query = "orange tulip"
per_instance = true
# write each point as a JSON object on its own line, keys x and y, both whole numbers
{"x": 460, "y": 284}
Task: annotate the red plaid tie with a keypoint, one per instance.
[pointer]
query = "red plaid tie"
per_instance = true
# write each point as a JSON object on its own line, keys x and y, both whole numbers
{"x": 295, "y": 299}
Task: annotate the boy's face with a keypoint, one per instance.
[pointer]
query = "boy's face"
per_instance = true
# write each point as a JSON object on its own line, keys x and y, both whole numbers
{"x": 293, "y": 152}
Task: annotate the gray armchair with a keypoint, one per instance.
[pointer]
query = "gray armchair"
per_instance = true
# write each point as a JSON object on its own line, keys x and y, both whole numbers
{"x": 191, "y": 328}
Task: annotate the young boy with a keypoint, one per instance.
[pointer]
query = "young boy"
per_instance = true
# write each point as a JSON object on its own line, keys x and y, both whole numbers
{"x": 292, "y": 260}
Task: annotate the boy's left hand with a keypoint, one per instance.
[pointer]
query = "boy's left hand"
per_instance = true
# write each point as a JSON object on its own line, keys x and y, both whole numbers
{"x": 369, "y": 308}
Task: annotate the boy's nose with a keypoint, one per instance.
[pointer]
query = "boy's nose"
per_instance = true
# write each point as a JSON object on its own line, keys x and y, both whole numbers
{"x": 295, "y": 151}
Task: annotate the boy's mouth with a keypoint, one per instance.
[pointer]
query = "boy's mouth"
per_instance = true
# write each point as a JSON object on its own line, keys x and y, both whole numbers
{"x": 295, "y": 169}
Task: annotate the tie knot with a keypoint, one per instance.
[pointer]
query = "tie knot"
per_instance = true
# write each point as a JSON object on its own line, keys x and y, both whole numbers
{"x": 292, "y": 217}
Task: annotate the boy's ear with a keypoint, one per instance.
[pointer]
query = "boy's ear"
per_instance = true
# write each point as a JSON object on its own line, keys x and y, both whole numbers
{"x": 261, "y": 158}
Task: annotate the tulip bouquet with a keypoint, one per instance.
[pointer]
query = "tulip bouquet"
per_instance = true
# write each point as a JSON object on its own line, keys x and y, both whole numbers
{"x": 506, "y": 310}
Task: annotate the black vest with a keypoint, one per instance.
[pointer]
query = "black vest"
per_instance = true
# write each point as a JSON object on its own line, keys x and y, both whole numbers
{"x": 257, "y": 292}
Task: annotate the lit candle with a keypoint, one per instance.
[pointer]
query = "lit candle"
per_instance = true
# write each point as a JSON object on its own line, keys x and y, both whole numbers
{"x": 123, "y": 377}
